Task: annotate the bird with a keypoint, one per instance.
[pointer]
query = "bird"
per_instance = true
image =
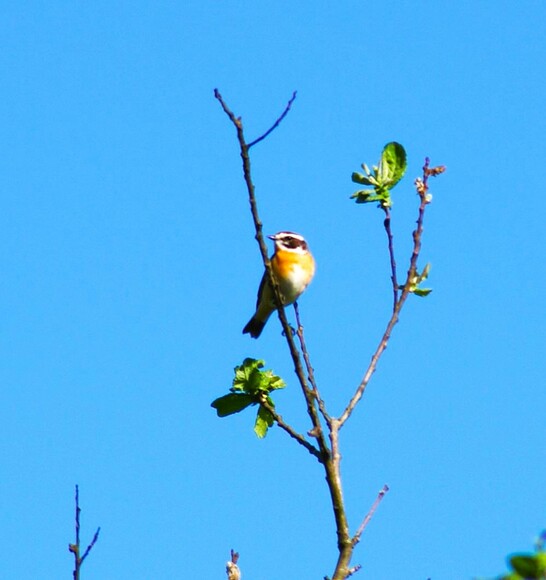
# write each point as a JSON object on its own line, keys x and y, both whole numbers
{"x": 294, "y": 268}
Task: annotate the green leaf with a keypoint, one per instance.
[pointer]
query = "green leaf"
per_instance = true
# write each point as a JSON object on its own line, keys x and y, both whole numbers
{"x": 541, "y": 561}
{"x": 264, "y": 420}
{"x": 393, "y": 164}
{"x": 244, "y": 372}
{"x": 371, "y": 195}
{"x": 230, "y": 404}
{"x": 526, "y": 566}
{"x": 274, "y": 382}
{"x": 424, "y": 274}
{"x": 422, "y": 291}
{"x": 362, "y": 195}
{"x": 251, "y": 380}
{"x": 359, "y": 178}
{"x": 251, "y": 386}
{"x": 385, "y": 176}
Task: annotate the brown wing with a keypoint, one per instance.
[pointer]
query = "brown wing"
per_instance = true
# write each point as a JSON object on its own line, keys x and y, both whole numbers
{"x": 261, "y": 288}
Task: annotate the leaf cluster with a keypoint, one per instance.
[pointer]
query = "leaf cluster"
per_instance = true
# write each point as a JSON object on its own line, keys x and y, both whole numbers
{"x": 251, "y": 386}
{"x": 383, "y": 177}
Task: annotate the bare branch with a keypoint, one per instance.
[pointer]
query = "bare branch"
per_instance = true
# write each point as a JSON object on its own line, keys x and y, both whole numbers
{"x": 310, "y": 370}
{"x": 78, "y": 511}
{"x": 387, "y": 224}
{"x": 292, "y": 432}
{"x": 75, "y": 548}
{"x": 89, "y": 548}
{"x": 354, "y": 570}
{"x": 277, "y": 122}
{"x": 369, "y": 515}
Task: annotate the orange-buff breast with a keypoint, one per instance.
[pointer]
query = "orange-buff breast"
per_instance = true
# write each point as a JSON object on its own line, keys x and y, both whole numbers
{"x": 283, "y": 263}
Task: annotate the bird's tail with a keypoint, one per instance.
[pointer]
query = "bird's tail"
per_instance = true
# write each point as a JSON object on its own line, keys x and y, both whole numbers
{"x": 254, "y": 327}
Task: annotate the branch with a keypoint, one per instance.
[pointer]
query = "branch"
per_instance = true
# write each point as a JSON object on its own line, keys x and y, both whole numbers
{"x": 292, "y": 432}
{"x": 310, "y": 370}
{"x": 75, "y": 548}
{"x": 369, "y": 515}
{"x": 88, "y": 549}
{"x": 354, "y": 570}
{"x": 276, "y": 123}
{"x": 422, "y": 190}
{"x": 387, "y": 224}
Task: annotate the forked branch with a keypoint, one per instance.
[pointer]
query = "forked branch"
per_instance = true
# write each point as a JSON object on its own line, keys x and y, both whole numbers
{"x": 422, "y": 190}
{"x": 75, "y": 548}
{"x": 276, "y": 123}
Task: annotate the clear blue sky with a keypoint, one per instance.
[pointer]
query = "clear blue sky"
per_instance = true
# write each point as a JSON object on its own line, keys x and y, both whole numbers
{"x": 129, "y": 269}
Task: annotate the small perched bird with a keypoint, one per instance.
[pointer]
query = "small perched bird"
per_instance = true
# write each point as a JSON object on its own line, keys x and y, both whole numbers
{"x": 294, "y": 268}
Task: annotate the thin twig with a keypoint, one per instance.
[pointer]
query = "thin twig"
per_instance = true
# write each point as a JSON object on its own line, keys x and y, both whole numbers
{"x": 276, "y": 123}
{"x": 88, "y": 549}
{"x": 78, "y": 511}
{"x": 310, "y": 370}
{"x": 248, "y": 180}
{"x": 369, "y": 515}
{"x": 375, "y": 359}
{"x": 292, "y": 432}
{"x": 75, "y": 548}
{"x": 387, "y": 224}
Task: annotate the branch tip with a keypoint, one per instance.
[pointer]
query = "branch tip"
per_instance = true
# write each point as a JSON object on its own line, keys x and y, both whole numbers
{"x": 232, "y": 570}
{"x": 366, "y": 521}
{"x": 277, "y": 122}
{"x": 354, "y": 570}
{"x": 75, "y": 548}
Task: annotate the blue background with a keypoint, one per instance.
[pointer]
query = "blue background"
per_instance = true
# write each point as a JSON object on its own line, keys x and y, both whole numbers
{"x": 129, "y": 268}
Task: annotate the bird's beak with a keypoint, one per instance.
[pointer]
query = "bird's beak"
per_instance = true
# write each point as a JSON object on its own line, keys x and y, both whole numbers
{"x": 272, "y": 237}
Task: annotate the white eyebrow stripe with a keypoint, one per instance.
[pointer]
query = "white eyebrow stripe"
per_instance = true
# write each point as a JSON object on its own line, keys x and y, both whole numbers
{"x": 292, "y": 244}
{"x": 282, "y": 235}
